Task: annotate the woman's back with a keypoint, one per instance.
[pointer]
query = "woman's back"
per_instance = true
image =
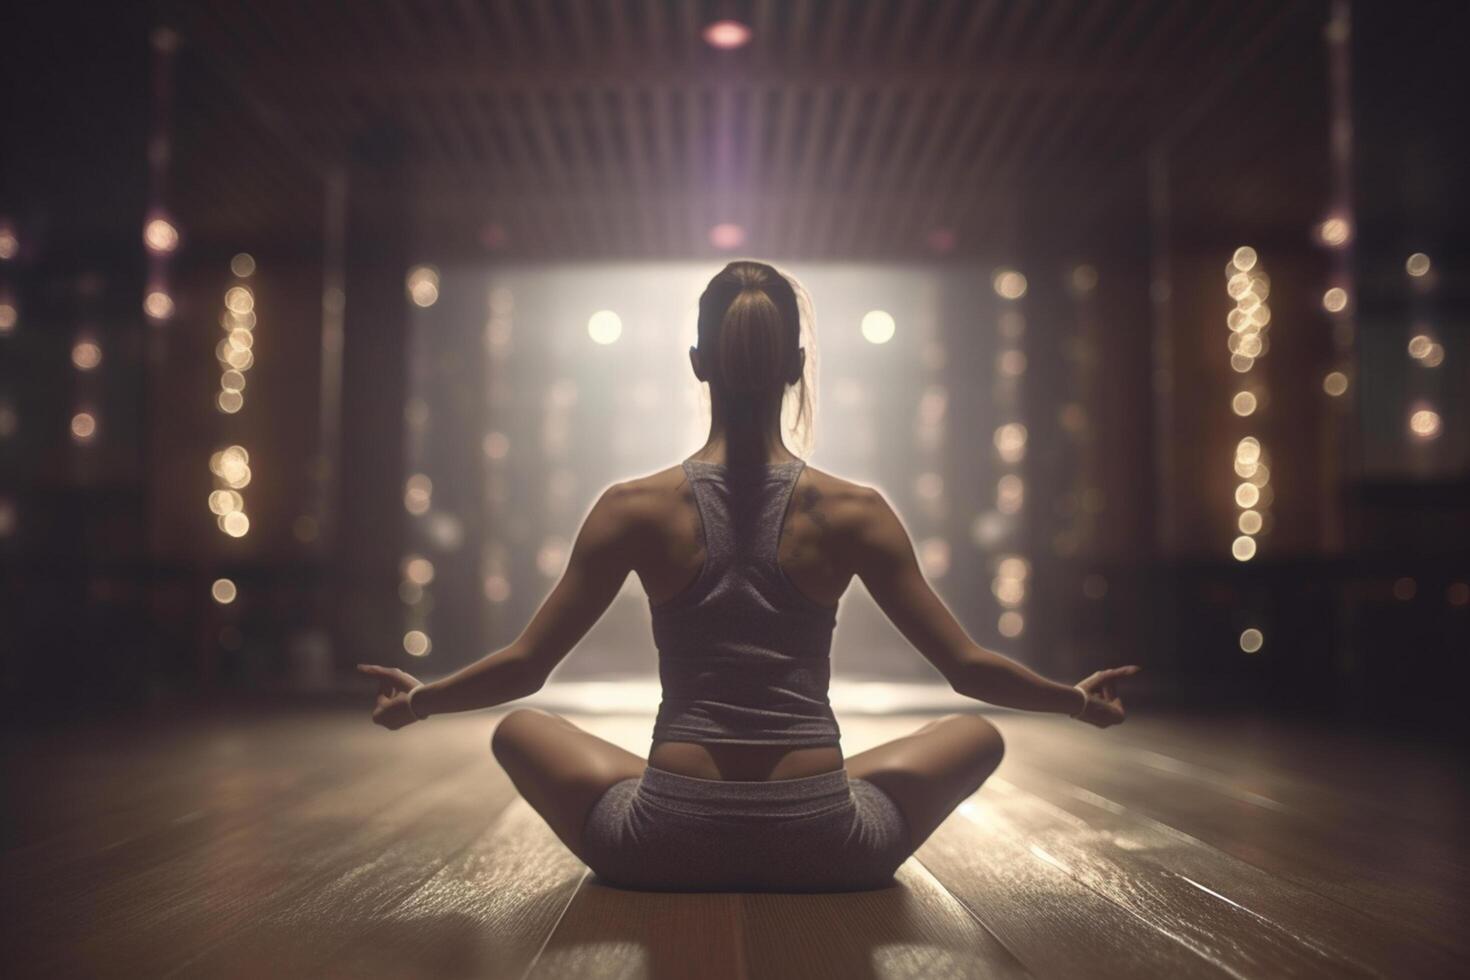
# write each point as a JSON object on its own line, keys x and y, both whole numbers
{"x": 816, "y": 544}
{"x": 714, "y": 696}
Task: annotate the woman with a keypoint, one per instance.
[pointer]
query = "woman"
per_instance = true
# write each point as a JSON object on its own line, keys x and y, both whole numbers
{"x": 744, "y": 552}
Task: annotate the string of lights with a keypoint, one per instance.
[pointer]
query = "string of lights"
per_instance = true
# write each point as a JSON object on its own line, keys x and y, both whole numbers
{"x": 1012, "y": 570}
{"x": 417, "y": 571}
{"x": 931, "y": 433}
{"x": 160, "y": 235}
{"x": 1425, "y": 350}
{"x": 495, "y": 445}
{"x": 1249, "y": 324}
{"x": 235, "y": 355}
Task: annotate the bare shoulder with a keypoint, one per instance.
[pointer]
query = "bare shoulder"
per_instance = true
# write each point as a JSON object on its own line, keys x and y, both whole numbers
{"x": 641, "y": 500}
{"x": 848, "y": 510}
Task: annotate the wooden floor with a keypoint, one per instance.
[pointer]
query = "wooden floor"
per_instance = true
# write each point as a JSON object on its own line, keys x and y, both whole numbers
{"x": 310, "y": 844}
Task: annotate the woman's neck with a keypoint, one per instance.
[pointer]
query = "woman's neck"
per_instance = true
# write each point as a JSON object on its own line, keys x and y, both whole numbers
{"x": 751, "y": 435}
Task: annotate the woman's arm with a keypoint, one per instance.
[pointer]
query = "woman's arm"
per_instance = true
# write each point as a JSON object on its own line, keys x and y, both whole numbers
{"x": 597, "y": 567}
{"x": 884, "y": 559}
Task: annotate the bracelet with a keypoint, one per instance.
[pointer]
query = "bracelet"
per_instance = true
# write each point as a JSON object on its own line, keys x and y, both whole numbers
{"x": 411, "y": 709}
{"x": 1086, "y": 700}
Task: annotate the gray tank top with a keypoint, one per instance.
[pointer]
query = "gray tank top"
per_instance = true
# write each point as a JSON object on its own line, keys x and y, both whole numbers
{"x": 744, "y": 656}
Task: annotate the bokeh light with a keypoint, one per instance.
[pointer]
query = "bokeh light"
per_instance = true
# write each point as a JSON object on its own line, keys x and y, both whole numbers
{"x": 726, "y": 34}
{"x": 83, "y": 426}
{"x": 605, "y": 327}
{"x": 86, "y": 355}
{"x": 418, "y": 570}
{"x": 423, "y": 285}
{"x": 158, "y": 304}
{"x": 160, "y": 236}
{"x": 417, "y": 494}
{"x": 1425, "y": 423}
{"x": 727, "y": 236}
{"x": 1010, "y": 442}
{"x": 1008, "y": 284}
{"x": 239, "y": 300}
{"x": 878, "y": 326}
{"x": 224, "y": 591}
{"x": 1334, "y": 232}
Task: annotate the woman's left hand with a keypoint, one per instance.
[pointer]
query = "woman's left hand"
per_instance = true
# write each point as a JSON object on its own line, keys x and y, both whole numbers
{"x": 392, "y": 710}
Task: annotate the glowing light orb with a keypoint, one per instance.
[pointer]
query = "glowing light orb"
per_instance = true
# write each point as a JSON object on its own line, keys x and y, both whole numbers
{"x": 159, "y": 305}
{"x": 86, "y": 355}
{"x": 1426, "y": 423}
{"x": 160, "y": 236}
{"x": 423, "y": 285}
{"x": 726, "y": 34}
{"x": 605, "y": 327}
{"x": 83, "y": 426}
{"x": 1334, "y": 232}
{"x": 727, "y": 236}
{"x": 1008, "y": 284}
{"x": 878, "y": 326}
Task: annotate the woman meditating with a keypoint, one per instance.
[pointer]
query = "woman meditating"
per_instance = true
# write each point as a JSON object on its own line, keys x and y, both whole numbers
{"x": 745, "y": 552}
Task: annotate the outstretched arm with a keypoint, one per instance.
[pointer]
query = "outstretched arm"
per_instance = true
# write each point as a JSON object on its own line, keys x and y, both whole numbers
{"x": 884, "y": 559}
{"x": 598, "y": 565}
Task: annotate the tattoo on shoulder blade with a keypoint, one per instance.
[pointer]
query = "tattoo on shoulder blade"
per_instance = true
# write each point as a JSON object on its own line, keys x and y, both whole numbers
{"x": 811, "y": 499}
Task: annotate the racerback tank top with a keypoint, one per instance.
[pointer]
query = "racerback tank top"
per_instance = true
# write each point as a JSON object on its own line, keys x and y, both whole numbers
{"x": 744, "y": 657}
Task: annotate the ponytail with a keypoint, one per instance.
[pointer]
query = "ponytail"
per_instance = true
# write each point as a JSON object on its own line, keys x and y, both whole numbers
{"x": 750, "y": 342}
{"x": 753, "y": 341}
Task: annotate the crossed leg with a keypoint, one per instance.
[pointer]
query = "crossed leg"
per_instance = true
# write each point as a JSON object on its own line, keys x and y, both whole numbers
{"x": 931, "y": 771}
{"x": 560, "y": 769}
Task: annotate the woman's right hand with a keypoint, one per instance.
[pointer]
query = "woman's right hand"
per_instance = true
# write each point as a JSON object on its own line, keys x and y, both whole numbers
{"x": 1104, "y": 707}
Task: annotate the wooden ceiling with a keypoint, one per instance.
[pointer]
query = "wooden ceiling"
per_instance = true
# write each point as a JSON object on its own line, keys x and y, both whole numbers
{"x": 845, "y": 128}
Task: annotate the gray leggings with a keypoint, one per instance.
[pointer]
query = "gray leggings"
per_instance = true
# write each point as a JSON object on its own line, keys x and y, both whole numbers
{"x": 667, "y": 832}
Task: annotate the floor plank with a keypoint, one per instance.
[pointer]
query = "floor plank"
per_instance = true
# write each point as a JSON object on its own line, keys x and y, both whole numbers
{"x": 309, "y": 843}
{"x": 914, "y": 929}
{"x": 1392, "y": 864}
{"x": 1052, "y": 919}
{"x": 1247, "y": 920}
{"x": 486, "y": 913}
{"x": 336, "y": 902}
{"x": 623, "y": 935}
